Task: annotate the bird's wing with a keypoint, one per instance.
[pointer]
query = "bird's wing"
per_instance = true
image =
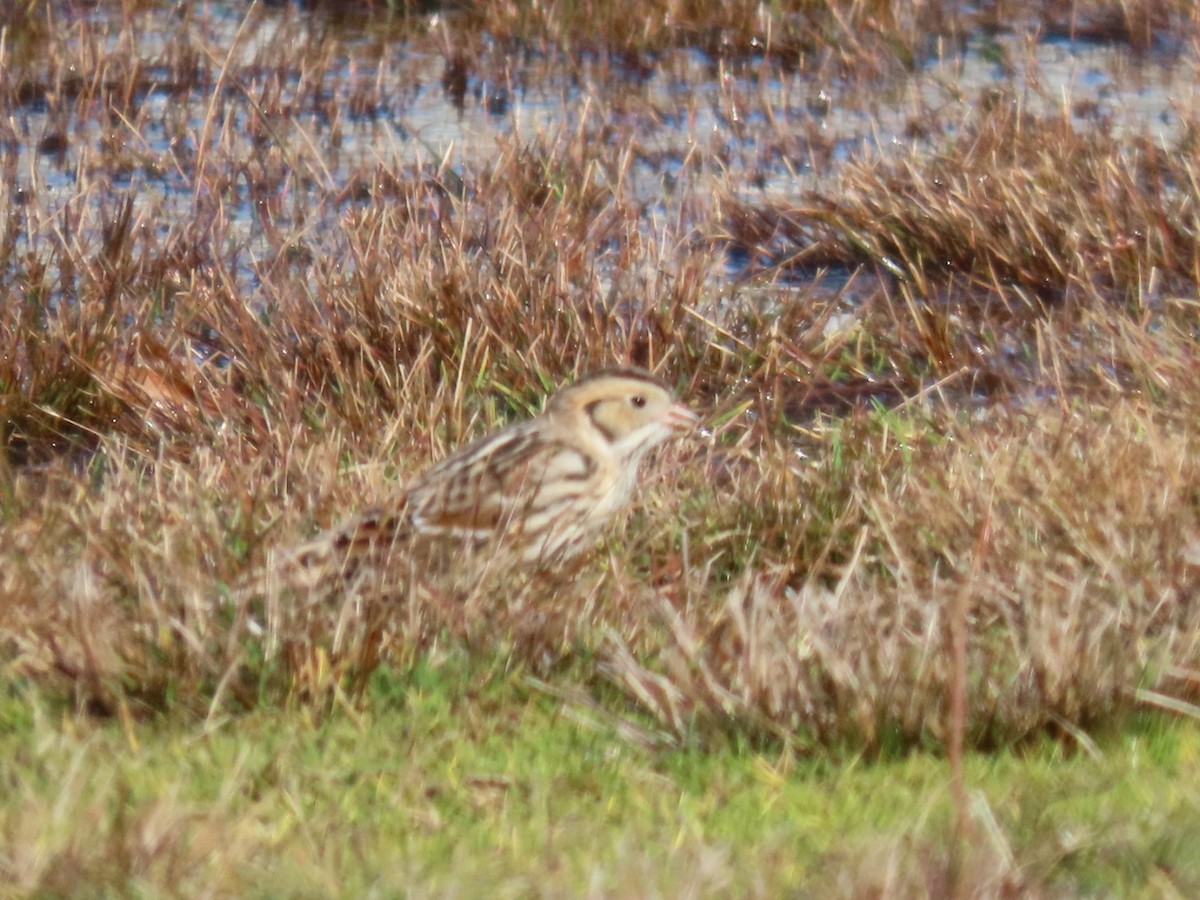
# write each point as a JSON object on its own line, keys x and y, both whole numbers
{"x": 482, "y": 488}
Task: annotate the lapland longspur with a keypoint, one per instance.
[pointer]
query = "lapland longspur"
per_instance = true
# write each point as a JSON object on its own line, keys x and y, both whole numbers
{"x": 538, "y": 492}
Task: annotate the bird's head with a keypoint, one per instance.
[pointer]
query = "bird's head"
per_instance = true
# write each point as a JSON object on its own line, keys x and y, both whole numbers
{"x": 628, "y": 408}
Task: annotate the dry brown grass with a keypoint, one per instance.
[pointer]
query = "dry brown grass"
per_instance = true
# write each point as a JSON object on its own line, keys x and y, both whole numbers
{"x": 1017, "y": 515}
{"x": 995, "y": 206}
{"x": 1000, "y": 413}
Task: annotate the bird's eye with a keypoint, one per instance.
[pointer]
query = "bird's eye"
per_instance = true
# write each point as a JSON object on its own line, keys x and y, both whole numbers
{"x": 637, "y": 401}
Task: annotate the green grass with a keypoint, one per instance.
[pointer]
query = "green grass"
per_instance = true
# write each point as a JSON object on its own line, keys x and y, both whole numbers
{"x": 463, "y": 781}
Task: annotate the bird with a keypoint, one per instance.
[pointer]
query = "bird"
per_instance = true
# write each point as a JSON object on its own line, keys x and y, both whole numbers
{"x": 537, "y": 493}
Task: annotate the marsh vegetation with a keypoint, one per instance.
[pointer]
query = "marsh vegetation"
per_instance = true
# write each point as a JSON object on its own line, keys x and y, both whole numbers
{"x": 929, "y": 272}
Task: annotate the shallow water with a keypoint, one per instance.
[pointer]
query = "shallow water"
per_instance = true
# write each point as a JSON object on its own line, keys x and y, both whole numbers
{"x": 396, "y": 94}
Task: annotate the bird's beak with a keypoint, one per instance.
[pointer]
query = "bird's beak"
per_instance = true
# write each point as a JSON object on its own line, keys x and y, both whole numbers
{"x": 680, "y": 418}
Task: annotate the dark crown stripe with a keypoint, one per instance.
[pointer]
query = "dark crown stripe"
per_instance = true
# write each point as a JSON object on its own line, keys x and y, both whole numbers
{"x": 634, "y": 372}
